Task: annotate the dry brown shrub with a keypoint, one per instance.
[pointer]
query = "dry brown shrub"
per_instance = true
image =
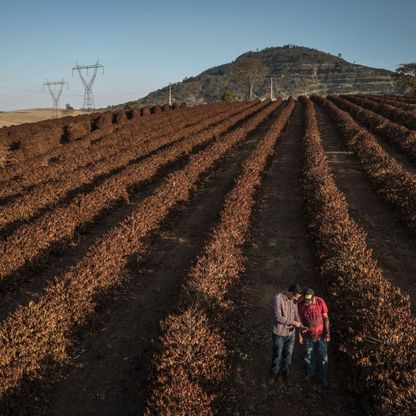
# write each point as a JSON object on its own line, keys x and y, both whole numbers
{"x": 183, "y": 361}
{"x": 155, "y": 109}
{"x": 105, "y": 120}
{"x": 373, "y": 325}
{"x": 397, "y": 115}
{"x": 145, "y": 111}
{"x": 78, "y": 128}
{"x": 119, "y": 117}
{"x": 391, "y": 180}
{"x": 4, "y": 154}
{"x": 397, "y": 135}
{"x": 40, "y": 333}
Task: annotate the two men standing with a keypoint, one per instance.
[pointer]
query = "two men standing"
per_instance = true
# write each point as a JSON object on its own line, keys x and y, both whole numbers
{"x": 302, "y": 310}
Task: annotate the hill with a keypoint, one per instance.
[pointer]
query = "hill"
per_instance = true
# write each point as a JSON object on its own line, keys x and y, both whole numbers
{"x": 295, "y": 70}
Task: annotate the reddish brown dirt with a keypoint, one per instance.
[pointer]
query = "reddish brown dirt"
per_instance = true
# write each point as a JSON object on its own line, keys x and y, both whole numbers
{"x": 29, "y": 282}
{"x": 392, "y": 243}
{"x": 109, "y": 375}
{"x": 111, "y": 355}
{"x": 278, "y": 254}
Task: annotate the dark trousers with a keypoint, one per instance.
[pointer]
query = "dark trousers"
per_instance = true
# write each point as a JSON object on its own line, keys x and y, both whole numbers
{"x": 282, "y": 353}
{"x": 316, "y": 355}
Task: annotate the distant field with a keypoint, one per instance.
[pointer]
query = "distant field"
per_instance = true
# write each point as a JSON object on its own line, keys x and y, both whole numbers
{"x": 31, "y": 115}
{"x": 140, "y": 250}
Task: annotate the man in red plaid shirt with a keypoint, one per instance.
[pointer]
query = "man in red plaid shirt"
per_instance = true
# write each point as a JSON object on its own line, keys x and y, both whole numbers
{"x": 313, "y": 314}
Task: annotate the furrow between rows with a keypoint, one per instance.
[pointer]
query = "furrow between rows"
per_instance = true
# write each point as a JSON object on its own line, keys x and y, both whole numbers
{"x": 86, "y": 154}
{"x": 401, "y": 138}
{"x": 394, "y": 183}
{"x": 372, "y": 321}
{"x": 191, "y": 365}
{"x": 46, "y": 195}
{"x": 36, "y": 337}
{"x": 29, "y": 241}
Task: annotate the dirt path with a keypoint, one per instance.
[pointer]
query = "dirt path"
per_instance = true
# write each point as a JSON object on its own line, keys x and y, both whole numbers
{"x": 392, "y": 243}
{"x": 389, "y": 148}
{"x": 29, "y": 281}
{"x": 278, "y": 255}
{"x": 109, "y": 375}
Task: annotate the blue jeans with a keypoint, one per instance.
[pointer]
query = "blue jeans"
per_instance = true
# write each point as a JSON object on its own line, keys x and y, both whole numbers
{"x": 282, "y": 353}
{"x": 316, "y": 350}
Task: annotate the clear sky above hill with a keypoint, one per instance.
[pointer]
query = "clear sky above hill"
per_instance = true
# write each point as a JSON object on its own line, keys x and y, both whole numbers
{"x": 144, "y": 45}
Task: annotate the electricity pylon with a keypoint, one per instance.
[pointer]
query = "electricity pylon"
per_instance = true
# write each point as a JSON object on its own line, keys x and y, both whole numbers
{"x": 55, "y": 92}
{"x": 88, "y": 96}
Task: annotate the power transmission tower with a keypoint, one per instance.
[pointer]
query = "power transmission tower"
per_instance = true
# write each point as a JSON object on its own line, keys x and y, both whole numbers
{"x": 170, "y": 95}
{"x": 271, "y": 88}
{"x": 55, "y": 90}
{"x": 88, "y": 96}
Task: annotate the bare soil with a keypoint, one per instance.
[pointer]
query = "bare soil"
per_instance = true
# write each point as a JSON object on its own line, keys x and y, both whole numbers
{"x": 111, "y": 355}
{"x": 392, "y": 243}
{"x": 110, "y": 358}
{"x": 279, "y": 254}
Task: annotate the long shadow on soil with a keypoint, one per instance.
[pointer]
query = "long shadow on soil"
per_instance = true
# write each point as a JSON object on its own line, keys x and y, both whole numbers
{"x": 393, "y": 244}
{"x": 391, "y": 149}
{"x": 111, "y": 356}
{"x": 87, "y": 187}
{"x": 29, "y": 281}
{"x": 278, "y": 253}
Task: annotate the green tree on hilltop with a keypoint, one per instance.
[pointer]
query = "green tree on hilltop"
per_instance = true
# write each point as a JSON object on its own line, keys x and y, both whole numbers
{"x": 228, "y": 96}
{"x": 250, "y": 70}
{"x": 405, "y": 78}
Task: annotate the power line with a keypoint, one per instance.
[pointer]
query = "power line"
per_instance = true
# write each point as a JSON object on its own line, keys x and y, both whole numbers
{"x": 128, "y": 83}
{"x": 18, "y": 97}
{"x": 115, "y": 87}
{"x": 55, "y": 90}
{"x": 19, "y": 89}
{"x": 88, "y": 95}
{"x": 19, "y": 103}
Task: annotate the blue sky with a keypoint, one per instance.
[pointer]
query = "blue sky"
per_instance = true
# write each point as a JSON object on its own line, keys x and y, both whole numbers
{"x": 144, "y": 45}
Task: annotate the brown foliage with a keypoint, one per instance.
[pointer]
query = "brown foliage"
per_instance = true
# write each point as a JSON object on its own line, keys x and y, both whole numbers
{"x": 204, "y": 297}
{"x": 119, "y": 117}
{"x": 392, "y": 181}
{"x": 36, "y": 139}
{"x": 145, "y": 111}
{"x": 73, "y": 157}
{"x": 372, "y": 319}
{"x": 30, "y": 240}
{"x": 105, "y": 120}
{"x": 4, "y": 154}
{"x": 390, "y": 100}
{"x": 185, "y": 365}
{"x": 39, "y": 333}
{"x": 397, "y": 135}
{"x": 77, "y": 129}
{"x": 155, "y": 109}
{"x": 133, "y": 113}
